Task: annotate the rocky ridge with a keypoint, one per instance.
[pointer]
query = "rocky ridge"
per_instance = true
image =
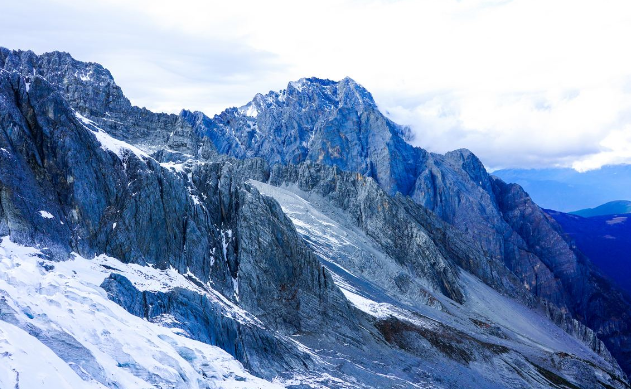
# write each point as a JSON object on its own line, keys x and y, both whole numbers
{"x": 181, "y": 205}
{"x": 506, "y": 223}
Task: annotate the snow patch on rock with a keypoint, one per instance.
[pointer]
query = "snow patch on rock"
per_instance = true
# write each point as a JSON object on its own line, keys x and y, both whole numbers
{"x": 46, "y": 215}
{"x": 109, "y": 143}
{"x": 125, "y": 351}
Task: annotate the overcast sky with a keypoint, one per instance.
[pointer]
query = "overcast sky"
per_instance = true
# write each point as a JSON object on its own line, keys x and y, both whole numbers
{"x": 523, "y": 83}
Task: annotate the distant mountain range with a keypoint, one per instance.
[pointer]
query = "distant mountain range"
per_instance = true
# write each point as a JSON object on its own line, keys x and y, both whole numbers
{"x": 605, "y": 239}
{"x": 567, "y": 190}
{"x": 610, "y": 208}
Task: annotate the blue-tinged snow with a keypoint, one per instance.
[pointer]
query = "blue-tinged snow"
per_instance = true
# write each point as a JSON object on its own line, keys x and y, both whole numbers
{"x": 55, "y": 310}
{"x": 486, "y": 314}
{"x": 344, "y": 248}
{"x": 46, "y": 215}
{"x": 109, "y": 143}
{"x": 249, "y": 110}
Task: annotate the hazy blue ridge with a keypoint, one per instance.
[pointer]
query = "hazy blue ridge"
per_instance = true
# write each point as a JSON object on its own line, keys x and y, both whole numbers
{"x": 610, "y": 208}
{"x": 605, "y": 239}
{"x": 567, "y": 190}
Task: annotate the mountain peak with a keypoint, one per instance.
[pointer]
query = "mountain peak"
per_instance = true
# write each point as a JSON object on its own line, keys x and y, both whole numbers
{"x": 310, "y": 82}
{"x": 344, "y": 93}
{"x": 269, "y": 240}
{"x": 49, "y": 64}
{"x": 308, "y": 93}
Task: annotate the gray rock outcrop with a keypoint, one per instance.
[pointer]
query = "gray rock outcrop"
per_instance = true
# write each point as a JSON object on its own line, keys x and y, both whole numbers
{"x": 176, "y": 195}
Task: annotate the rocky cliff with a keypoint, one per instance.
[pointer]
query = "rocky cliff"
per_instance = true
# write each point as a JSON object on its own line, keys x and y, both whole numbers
{"x": 84, "y": 171}
{"x": 338, "y": 124}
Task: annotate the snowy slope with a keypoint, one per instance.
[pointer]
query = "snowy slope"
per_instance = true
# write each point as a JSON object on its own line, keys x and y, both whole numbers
{"x": 59, "y": 330}
{"x": 392, "y": 325}
{"x": 345, "y": 248}
{"x": 486, "y": 315}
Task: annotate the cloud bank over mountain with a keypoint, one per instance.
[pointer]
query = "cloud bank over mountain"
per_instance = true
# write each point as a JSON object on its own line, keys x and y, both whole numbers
{"x": 521, "y": 83}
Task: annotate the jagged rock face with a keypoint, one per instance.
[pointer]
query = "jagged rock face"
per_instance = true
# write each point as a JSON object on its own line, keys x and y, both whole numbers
{"x": 90, "y": 90}
{"x": 389, "y": 220}
{"x": 403, "y": 229}
{"x": 332, "y": 123}
{"x": 201, "y": 217}
{"x": 87, "y": 86}
{"x": 593, "y": 299}
{"x": 312, "y": 121}
{"x": 326, "y": 203}
{"x": 397, "y": 233}
{"x": 316, "y": 120}
{"x": 206, "y": 321}
{"x": 127, "y": 205}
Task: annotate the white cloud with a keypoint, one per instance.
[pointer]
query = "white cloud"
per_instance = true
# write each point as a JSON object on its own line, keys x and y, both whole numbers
{"x": 523, "y": 83}
{"x": 615, "y": 149}
{"x": 528, "y": 129}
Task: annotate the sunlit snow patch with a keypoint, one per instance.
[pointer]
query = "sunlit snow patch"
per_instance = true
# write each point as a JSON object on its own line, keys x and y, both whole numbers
{"x": 249, "y": 110}
{"x": 46, "y": 215}
{"x": 119, "y": 350}
{"x": 107, "y": 142}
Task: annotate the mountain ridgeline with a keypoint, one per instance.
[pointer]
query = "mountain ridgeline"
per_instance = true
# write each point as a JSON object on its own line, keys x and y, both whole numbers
{"x": 344, "y": 256}
{"x": 610, "y": 208}
{"x": 566, "y": 190}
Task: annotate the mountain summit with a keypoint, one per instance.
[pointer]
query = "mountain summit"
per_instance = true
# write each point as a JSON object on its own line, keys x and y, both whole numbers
{"x": 299, "y": 233}
{"x": 322, "y": 121}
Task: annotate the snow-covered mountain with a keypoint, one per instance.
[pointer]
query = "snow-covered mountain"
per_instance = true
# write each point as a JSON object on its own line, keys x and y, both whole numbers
{"x": 299, "y": 233}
